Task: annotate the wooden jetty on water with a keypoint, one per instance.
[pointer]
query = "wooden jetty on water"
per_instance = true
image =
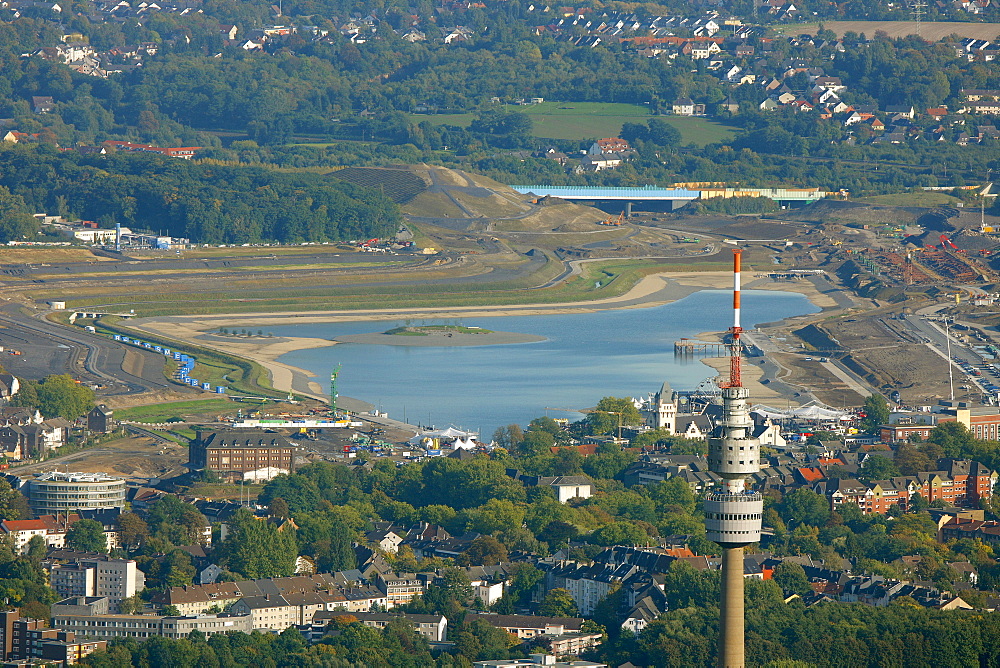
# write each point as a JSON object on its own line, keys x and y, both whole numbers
{"x": 686, "y": 347}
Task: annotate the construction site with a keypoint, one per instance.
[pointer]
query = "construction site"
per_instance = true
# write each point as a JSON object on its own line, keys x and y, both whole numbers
{"x": 471, "y": 241}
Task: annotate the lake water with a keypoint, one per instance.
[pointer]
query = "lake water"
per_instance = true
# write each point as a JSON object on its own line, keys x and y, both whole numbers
{"x": 586, "y": 356}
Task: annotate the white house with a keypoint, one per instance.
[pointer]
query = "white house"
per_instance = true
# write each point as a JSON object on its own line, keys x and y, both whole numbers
{"x": 662, "y": 413}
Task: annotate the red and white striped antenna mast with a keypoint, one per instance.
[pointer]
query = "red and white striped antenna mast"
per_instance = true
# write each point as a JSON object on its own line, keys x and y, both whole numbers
{"x": 735, "y": 379}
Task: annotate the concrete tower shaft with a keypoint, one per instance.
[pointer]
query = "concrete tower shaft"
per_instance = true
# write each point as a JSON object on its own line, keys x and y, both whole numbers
{"x": 733, "y": 514}
{"x": 732, "y": 634}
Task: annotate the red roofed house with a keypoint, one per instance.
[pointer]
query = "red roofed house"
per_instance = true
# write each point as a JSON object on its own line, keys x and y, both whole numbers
{"x": 810, "y": 475}
{"x": 585, "y": 449}
{"x": 52, "y": 528}
{"x": 22, "y": 531}
{"x": 958, "y": 528}
{"x": 609, "y": 145}
{"x": 186, "y": 152}
{"x": 901, "y": 433}
{"x": 18, "y": 137}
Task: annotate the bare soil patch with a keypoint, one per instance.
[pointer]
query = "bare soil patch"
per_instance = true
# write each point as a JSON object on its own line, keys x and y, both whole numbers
{"x": 889, "y": 358}
{"x": 127, "y": 457}
{"x": 149, "y": 398}
{"x": 812, "y": 375}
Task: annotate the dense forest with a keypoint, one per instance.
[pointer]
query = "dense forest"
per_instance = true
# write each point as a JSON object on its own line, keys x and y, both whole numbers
{"x": 208, "y": 203}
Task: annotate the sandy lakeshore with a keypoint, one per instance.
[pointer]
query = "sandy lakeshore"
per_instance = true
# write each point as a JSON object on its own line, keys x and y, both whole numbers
{"x": 651, "y": 291}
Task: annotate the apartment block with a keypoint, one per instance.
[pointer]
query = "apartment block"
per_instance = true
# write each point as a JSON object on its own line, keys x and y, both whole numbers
{"x": 115, "y": 579}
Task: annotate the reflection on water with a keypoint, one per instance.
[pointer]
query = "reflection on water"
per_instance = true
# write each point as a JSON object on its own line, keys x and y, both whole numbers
{"x": 586, "y": 356}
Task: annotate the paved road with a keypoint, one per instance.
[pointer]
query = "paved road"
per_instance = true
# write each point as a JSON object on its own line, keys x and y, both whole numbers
{"x": 127, "y": 272}
{"x": 839, "y": 295}
{"x": 852, "y": 380}
{"x": 182, "y": 264}
{"x": 50, "y": 464}
{"x": 934, "y": 337}
{"x": 49, "y": 348}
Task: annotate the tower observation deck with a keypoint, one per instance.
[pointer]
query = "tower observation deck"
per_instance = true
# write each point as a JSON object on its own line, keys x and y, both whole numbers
{"x": 733, "y": 514}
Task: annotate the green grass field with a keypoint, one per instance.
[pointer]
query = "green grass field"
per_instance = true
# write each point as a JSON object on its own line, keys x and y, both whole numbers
{"x": 163, "y": 412}
{"x": 592, "y": 120}
{"x": 701, "y": 131}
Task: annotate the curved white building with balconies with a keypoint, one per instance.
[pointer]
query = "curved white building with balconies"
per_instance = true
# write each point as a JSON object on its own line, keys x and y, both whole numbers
{"x": 60, "y": 492}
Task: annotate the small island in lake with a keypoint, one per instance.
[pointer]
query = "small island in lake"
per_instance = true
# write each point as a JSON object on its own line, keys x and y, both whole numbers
{"x": 431, "y": 330}
{"x": 439, "y": 335}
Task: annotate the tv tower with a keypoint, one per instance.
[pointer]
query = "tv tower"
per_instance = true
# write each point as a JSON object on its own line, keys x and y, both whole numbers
{"x": 733, "y": 515}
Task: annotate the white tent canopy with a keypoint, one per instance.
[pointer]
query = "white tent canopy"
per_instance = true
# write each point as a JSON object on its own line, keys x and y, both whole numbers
{"x": 462, "y": 439}
{"x": 450, "y": 432}
{"x": 803, "y": 412}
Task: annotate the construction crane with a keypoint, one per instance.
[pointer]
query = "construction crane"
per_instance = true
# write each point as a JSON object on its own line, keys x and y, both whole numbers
{"x": 333, "y": 387}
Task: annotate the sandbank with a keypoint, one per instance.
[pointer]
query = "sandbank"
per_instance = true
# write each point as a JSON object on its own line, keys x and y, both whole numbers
{"x": 652, "y": 290}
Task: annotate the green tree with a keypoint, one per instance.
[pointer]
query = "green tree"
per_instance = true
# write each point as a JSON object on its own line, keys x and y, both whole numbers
{"x": 176, "y": 522}
{"x": 536, "y": 443}
{"x": 608, "y": 461}
{"x": 791, "y": 577}
{"x": 300, "y": 493}
{"x": 523, "y": 581}
{"x": 480, "y": 640}
{"x": 558, "y": 603}
{"x": 56, "y": 395}
{"x": 663, "y": 133}
{"x": 257, "y": 549}
{"x": 132, "y": 530}
{"x": 36, "y": 549}
{"x": 16, "y": 221}
{"x": 612, "y": 413}
{"x": 567, "y": 461}
{"x": 954, "y": 439}
{"x": 336, "y": 553}
{"x": 13, "y": 504}
{"x": 132, "y": 605}
{"x": 558, "y": 533}
{"x": 546, "y": 424}
{"x": 918, "y": 503}
{"x": 877, "y": 467}
{"x": 177, "y": 569}
{"x": 673, "y": 491}
{"x": 804, "y": 506}
{"x": 910, "y": 460}
{"x": 650, "y": 438}
{"x": 876, "y": 413}
{"x": 278, "y": 507}
{"x": 508, "y": 437}
{"x": 494, "y": 516}
{"x": 685, "y": 586}
{"x": 486, "y": 551}
{"x": 87, "y": 536}
{"x": 620, "y": 533}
